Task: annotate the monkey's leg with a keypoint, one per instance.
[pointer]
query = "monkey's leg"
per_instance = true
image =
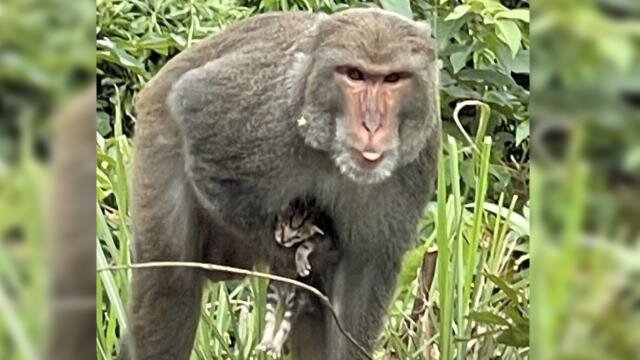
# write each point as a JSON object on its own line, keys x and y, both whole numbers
{"x": 303, "y": 266}
{"x": 362, "y": 289}
{"x": 166, "y": 302}
{"x": 273, "y": 299}
{"x": 165, "y": 313}
{"x": 308, "y": 336}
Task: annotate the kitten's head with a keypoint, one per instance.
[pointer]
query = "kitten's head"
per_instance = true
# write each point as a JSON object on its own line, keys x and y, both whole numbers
{"x": 295, "y": 226}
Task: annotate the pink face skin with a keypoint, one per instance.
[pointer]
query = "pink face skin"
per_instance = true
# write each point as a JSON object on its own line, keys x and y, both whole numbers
{"x": 372, "y": 98}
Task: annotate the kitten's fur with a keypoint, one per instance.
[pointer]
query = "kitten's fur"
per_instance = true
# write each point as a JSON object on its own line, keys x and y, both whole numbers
{"x": 303, "y": 225}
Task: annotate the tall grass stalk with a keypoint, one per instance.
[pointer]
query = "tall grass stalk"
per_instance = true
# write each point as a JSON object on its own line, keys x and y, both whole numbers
{"x": 445, "y": 270}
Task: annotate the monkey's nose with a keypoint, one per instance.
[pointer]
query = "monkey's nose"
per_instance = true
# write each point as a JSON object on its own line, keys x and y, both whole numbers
{"x": 372, "y": 126}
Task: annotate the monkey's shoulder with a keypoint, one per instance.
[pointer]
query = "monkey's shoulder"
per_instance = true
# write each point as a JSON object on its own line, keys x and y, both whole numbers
{"x": 247, "y": 53}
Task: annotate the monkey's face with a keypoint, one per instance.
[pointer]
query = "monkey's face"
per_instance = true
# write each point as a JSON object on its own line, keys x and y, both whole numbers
{"x": 381, "y": 93}
{"x": 367, "y": 139}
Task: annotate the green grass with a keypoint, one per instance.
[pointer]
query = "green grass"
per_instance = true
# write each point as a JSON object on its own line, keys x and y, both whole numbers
{"x": 22, "y": 268}
{"x": 477, "y": 302}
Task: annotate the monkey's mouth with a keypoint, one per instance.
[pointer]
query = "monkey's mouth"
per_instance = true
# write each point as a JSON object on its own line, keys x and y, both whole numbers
{"x": 367, "y": 159}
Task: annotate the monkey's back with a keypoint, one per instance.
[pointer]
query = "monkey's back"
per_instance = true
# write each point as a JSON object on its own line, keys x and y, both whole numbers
{"x": 264, "y": 44}
{"x": 270, "y": 35}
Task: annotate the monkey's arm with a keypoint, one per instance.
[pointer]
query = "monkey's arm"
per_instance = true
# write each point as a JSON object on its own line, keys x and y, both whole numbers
{"x": 365, "y": 277}
{"x": 235, "y": 135}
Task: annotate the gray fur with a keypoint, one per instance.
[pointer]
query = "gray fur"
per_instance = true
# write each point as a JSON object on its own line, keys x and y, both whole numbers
{"x": 220, "y": 123}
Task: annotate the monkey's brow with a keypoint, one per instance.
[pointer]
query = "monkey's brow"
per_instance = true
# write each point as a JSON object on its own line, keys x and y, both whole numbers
{"x": 371, "y": 69}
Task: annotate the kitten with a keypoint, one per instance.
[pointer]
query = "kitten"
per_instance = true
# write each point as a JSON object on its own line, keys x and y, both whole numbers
{"x": 303, "y": 226}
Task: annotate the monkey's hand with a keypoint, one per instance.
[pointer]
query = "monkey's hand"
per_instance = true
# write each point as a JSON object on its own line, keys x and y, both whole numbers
{"x": 303, "y": 266}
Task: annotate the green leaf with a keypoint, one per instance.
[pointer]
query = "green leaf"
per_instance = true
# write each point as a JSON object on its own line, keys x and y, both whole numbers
{"x": 509, "y": 32}
{"x": 500, "y": 98}
{"x": 506, "y": 288}
{"x": 401, "y": 7}
{"x": 103, "y": 127}
{"x": 518, "y": 222}
{"x": 410, "y": 264}
{"x": 447, "y": 30}
{"x": 459, "y": 92}
{"x": 467, "y": 174}
{"x": 520, "y": 64}
{"x": 458, "y": 12}
{"x": 500, "y": 176}
{"x": 111, "y": 287}
{"x": 515, "y": 14}
{"x": 111, "y": 52}
{"x": 632, "y": 160}
{"x": 514, "y": 337}
{"x": 522, "y": 132}
{"x": 180, "y": 40}
{"x": 492, "y": 77}
{"x": 458, "y": 60}
{"x": 488, "y": 318}
{"x": 513, "y": 313}
{"x": 503, "y": 54}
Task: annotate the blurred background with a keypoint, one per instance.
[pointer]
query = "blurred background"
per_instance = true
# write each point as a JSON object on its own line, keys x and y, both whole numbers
{"x": 571, "y": 293}
{"x": 586, "y": 180}
{"x": 47, "y": 57}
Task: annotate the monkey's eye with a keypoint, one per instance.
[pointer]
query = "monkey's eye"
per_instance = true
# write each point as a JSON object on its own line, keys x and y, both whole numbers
{"x": 392, "y": 78}
{"x": 355, "y": 74}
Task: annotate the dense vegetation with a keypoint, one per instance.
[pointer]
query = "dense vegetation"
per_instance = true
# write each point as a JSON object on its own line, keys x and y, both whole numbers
{"x": 475, "y": 301}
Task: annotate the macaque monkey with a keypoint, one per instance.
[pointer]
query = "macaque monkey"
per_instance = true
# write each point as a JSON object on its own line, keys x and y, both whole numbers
{"x": 348, "y": 103}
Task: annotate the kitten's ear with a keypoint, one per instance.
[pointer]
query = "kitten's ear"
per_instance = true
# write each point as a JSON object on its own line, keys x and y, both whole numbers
{"x": 316, "y": 230}
{"x": 296, "y": 221}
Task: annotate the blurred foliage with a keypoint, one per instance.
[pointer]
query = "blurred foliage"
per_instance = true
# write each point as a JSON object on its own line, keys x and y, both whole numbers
{"x": 46, "y": 57}
{"x": 43, "y": 61}
{"x": 601, "y": 92}
{"x": 586, "y": 180}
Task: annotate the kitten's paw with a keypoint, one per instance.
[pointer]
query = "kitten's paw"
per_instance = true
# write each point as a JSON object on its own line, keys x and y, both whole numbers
{"x": 303, "y": 268}
{"x": 274, "y": 353}
{"x": 263, "y": 346}
{"x": 270, "y": 349}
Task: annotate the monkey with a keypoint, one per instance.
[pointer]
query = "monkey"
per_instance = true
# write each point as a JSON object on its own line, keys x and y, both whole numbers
{"x": 348, "y": 103}
{"x": 304, "y": 226}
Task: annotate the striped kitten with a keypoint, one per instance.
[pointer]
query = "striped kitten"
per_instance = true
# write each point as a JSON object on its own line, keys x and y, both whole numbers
{"x": 298, "y": 225}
